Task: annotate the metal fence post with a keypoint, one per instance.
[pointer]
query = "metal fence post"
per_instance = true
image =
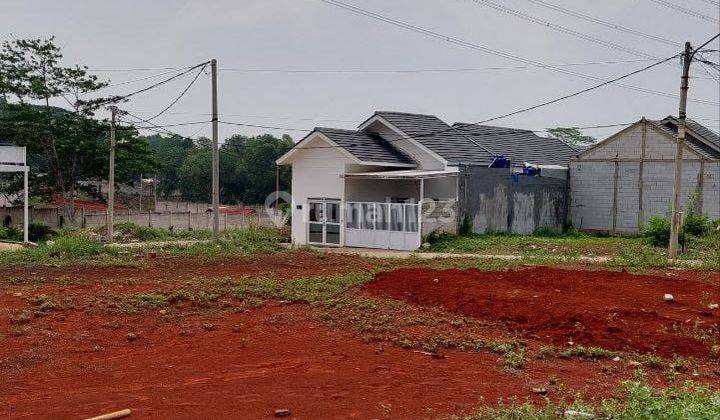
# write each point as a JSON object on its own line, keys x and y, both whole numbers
{"x": 149, "y": 219}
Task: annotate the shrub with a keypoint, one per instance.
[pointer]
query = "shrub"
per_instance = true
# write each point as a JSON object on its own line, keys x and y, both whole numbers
{"x": 72, "y": 247}
{"x": 38, "y": 232}
{"x": 657, "y": 231}
{"x": 10, "y": 233}
{"x": 697, "y": 224}
{"x": 465, "y": 226}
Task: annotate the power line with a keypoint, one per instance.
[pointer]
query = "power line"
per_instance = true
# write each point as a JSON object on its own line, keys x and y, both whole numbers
{"x": 580, "y": 92}
{"x": 141, "y": 79}
{"x": 605, "y": 23}
{"x": 426, "y": 70}
{"x": 474, "y": 46}
{"x": 264, "y": 126}
{"x": 560, "y": 28}
{"x": 578, "y": 34}
{"x": 192, "y": 82}
{"x": 153, "y": 86}
{"x": 712, "y": 2}
{"x": 686, "y": 11}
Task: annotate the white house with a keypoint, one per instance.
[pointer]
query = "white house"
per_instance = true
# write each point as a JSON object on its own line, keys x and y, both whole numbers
{"x": 620, "y": 182}
{"x": 401, "y": 176}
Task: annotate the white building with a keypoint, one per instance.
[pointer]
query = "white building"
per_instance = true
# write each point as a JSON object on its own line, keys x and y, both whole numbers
{"x": 399, "y": 177}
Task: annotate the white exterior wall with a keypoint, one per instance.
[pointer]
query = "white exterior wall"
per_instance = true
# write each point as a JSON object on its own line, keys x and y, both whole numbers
{"x": 592, "y": 182}
{"x": 316, "y": 173}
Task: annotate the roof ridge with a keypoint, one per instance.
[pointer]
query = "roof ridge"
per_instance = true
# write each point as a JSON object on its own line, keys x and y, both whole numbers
{"x": 407, "y": 113}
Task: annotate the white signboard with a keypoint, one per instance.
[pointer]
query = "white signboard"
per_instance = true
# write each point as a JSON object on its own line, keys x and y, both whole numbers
{"x": 12, "y": 155}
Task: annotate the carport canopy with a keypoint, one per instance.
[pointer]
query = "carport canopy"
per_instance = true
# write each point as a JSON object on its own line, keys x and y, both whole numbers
{"x": 405, "y": 174}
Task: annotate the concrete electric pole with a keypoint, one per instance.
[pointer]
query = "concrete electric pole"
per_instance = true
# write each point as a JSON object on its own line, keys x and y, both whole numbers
{"x": 111, "y": 176}
{"x": 215, "y": 153}
{"x": 676, "y": 222}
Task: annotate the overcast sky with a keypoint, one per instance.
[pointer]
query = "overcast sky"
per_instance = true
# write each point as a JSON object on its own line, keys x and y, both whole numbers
{"x": 312, "y": 35}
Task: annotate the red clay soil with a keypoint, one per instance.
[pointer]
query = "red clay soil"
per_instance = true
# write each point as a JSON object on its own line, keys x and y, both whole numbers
{"x": 76, "y": 364}
{"x": 165, "y": 267}
{"x": 613, "y": 310}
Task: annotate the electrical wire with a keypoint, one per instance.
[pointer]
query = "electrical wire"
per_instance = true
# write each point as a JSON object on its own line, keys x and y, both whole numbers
{"x": 141, "y": 79}
{"x": 429, "y": 70}
{"x": 192, "y": 82}
{"x": 560, "y": 28}
{"x": 478, "y": 47}
{"x": 686, "y": 11}
{"x": 577, "y": 34}
{"x": 153, "y": 86}
{"x": 607, "y": 24}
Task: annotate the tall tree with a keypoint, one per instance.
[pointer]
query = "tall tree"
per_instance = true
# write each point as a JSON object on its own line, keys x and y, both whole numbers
{"x": 572, "y": 136}
{"x": 65, "y": 146}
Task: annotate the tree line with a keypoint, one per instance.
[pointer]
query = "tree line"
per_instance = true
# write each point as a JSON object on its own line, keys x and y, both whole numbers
{"x": 247, "y": 167}
{"x": 50, "y": 109}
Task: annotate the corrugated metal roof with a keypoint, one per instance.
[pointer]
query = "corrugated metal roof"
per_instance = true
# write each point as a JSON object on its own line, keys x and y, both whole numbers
{"x": 520, "y": 145}
{"x": 365, "y": 146}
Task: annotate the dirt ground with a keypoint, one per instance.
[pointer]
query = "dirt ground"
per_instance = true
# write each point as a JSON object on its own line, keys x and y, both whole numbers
{"x": 612, "y": 310}
{"x": 232, "y": 361}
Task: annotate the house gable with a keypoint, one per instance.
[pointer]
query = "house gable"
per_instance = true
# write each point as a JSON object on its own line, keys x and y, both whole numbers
{"x": 426, "y": 158}
{"x": 628, "y": 144}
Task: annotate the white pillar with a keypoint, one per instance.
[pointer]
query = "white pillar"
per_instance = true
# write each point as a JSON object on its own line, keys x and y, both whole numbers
{"x": 25, "y": 205}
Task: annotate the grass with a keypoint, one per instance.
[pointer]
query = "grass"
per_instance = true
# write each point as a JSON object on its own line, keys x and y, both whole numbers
{"x": 631, "y": 252}
{"x": 638, "y": 400}
{"x": 571, "y": 243}
{"x": 79, "y": 248}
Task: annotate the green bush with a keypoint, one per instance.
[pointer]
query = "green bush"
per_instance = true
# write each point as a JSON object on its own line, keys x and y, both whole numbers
{"x": 697, "y": 224}
{"x": 71, "y": 246}
{"x": 39, "y": 232}
{"x": 142, "y": 233}
{"x": 465, "y": 226}
{"x": 10, "y": 233}
{"x": 657, "y": 231}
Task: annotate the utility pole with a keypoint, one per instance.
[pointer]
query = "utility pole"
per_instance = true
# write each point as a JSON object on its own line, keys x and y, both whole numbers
{"x": 676, "y": 221}
{"x": 111, "y": 176}
{"x": 215, "y": 153}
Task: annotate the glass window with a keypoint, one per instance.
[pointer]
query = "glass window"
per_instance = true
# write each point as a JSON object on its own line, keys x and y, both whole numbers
{"x": 411, "y": 218}
{"x": 316, "y": 232}
{"x": 383, "y": 216}
{"x": 316, "y": 212}
{"x": 332, "y": 234}
{"x": 332, "y": 212}
{"x": 396, "y": 217}
{"x": 352, "y": 216}
{"x": 368, "y": 216}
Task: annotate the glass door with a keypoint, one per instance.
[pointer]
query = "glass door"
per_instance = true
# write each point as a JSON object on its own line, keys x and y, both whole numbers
{"x": 324, "y": 221}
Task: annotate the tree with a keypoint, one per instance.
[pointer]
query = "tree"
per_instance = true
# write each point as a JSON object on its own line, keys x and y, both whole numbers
{"x": 247, "y": 167}
{"x": 64, "y": 146}
{"x": 170, "y": 153}
{"x": 572, "y": 136}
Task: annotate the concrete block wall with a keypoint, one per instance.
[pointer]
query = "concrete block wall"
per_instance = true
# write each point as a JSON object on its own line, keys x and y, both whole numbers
{"x": 592, "y": 192}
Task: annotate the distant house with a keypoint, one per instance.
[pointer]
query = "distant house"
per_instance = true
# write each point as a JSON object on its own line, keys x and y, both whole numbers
{"x": 620, "y": 182}
{"x": 400, "y": 176}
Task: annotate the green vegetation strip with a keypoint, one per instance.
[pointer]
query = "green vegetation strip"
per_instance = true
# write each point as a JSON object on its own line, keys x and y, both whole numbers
{"x": 638, "y": 401}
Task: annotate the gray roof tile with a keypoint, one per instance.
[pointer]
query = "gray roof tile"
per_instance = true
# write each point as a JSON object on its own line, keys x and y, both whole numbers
{"x": 706, "y": 143}
{"x": 365, "y": 146}
{"x": 436, "y": 135}
{"x": 520, "y": 145}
